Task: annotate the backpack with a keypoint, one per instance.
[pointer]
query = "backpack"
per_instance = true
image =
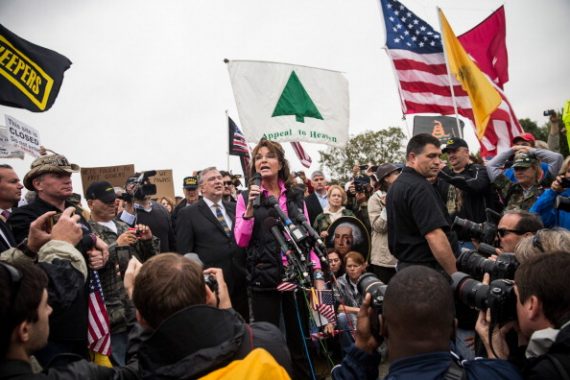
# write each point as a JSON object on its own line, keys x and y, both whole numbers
{"x": 258, "y": 364}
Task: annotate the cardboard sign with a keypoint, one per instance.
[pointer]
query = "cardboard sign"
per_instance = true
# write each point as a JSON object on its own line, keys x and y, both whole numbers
{"x": 164, "y": 184}
{"x": 115, "y": 175}
{"x": 22, "y": 136}
{"x": 7, "y": 150}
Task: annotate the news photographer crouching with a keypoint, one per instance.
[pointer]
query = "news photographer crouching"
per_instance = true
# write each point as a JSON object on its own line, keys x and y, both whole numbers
{"x": 415, "y": 315}
{"x": 190, "y": 327}
{"x": 140, "y": 209}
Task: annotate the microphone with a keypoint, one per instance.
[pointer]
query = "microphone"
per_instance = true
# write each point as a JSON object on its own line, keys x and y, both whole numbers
{"x": 256, "y": 180}
{"x": 310, "y": 230}
{"x": 272, "y": 225}
{"x": 293, "y": 231}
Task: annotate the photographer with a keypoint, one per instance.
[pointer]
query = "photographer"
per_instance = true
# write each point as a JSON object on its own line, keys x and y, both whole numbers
{"x": 515, "y": 225}
{"x": 140, "y": 209}
{"x": 545, "y": 205}
{"x": 358, "y": 191}
{"x": 418, "y": 324}
{"x": 190, "y": 327}
{"x": 543, "y": 319}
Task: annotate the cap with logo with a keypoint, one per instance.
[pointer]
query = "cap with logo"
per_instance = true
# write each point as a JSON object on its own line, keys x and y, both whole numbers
{"x": 52, "y": 163}
{"x": 524, "y": 160}
{"x": 454, "y": 143}
{"x": 524, "y": 137}
{"x": 102, "y": 191}
{"x": 190, "y": 183}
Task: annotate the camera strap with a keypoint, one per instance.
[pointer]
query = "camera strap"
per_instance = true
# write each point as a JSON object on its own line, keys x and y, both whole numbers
{"x": 455, "y": 372}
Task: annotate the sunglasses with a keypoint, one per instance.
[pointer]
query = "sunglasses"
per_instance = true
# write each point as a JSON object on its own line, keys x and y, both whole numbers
{"x": 536, "y": 243}
{"x": 15, "y": 280}
{"x": 228, "y": 183}
{"x": 504, "y": 231}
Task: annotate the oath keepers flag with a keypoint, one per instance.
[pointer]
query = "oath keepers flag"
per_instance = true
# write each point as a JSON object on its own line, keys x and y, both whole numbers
{"x": 30, "y": 75}
{"x": 284, "y": 102}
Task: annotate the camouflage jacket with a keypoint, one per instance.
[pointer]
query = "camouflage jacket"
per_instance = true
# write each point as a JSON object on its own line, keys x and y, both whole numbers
{"x": 514, "y": 196}
{"x": 119, "y": 306}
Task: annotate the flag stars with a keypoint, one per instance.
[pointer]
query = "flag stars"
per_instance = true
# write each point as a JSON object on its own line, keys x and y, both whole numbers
{"x": 397, "y": 13}
{"x": 421, "y": 44}
{"x": 422, "y": 28}
{"x": 399, "y": 26}
{"x": 416, "y": 22}
{"x": 397, "y": 40}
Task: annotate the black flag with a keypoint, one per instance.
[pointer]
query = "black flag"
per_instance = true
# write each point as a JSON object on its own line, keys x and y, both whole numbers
{"x": 30, "y": 75}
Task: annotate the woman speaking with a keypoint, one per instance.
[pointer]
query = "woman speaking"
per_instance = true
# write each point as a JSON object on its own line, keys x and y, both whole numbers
{"x": 265, "y": 261}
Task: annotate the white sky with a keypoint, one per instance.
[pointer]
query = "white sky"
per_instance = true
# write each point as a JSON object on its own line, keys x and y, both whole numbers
{"x": 148, "y": 84}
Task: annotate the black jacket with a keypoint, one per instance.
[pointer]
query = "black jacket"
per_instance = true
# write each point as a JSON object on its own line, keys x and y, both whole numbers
{"x": 314, "y": 207}
{"x": 543, "y": 367}
{"x": 200, "y": 339}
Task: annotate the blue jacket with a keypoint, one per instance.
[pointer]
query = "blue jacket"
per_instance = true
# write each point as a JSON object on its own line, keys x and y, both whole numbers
{"x": 551, "y": 217}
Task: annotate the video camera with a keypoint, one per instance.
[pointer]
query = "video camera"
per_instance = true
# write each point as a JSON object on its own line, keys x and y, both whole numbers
{"x": 139, "y": 187}
{"x": 485, "y": 232}
{"x": 499, "y": 296}
{"x": 549, "y": 113}
{"x": 369, "y": 283}
{"x": 477, "y": 265}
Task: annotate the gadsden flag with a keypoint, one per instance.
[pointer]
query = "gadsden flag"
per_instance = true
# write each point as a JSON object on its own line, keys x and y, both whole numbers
{"x": 284, "y": 102}
{"x": 30, "y": 75}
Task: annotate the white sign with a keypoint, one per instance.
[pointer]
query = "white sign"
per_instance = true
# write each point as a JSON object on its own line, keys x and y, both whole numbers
{"x": 7, "y": 150}
{"x": 22, "y": 136}
{"x": 283, "y": 102}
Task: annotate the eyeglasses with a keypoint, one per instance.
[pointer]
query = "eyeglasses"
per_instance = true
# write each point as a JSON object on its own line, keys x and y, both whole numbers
{"x": 15, "y": 280}
{"x": 504, "y": 231}
{"x": 228, "y": 183}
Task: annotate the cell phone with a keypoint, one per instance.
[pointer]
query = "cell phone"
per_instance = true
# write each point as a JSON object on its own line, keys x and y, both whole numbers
{"x": 54, "y": 219}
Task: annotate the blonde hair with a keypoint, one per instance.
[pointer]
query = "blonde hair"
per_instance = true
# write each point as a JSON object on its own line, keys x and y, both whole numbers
{"x": 342, "y": 192}
{"x": 544, "y": 241}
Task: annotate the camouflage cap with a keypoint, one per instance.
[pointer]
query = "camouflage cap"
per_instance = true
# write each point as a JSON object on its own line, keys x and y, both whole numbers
{"x": 52, "y": 163}
{"x": 524, "y": 160}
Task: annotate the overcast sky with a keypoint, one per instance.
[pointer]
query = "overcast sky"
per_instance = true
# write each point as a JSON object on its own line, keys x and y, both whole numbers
{"x": 148, "y": 84}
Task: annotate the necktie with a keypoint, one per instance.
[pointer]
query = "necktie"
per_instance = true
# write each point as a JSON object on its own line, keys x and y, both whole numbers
{"x": 6, "y": 214}
{"x": 221, "y": 219}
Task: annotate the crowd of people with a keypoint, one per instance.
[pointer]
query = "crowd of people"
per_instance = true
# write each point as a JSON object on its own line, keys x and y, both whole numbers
{"x": 197, "y": 285}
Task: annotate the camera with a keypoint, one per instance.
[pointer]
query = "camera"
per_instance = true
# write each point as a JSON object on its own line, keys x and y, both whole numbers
{"x": 473, "y": 263}
{"x": 369, "y": 283}
{"x": 139, "y": 187}
{"x": 499, "y": 296}
{"x": 485, "y": 232}
{"x": 212, "y": 283}
{"x": 136, "y": 231}
{"x": 549, "y": 112}
{"x": 562, "y": 203}
{"x": 361, "y": 183}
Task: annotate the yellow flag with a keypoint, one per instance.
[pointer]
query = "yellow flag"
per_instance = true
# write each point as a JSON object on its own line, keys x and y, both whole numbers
{"x": 483, "y": 96}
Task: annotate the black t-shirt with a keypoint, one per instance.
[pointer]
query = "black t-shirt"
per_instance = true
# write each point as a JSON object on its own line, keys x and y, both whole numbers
{"x": 414, "y": 208}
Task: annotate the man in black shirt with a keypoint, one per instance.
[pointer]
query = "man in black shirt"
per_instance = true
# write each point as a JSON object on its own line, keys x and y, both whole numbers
{"x": 417, "y": 221}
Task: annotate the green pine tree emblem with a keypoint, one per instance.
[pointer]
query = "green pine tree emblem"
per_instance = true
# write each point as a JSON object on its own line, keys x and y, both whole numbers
{"x": 295, "y": 100}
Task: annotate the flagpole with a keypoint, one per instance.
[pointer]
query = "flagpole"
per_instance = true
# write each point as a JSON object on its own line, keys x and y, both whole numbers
{"x": 228, "y": 144}
{"x": 449, "y": 75}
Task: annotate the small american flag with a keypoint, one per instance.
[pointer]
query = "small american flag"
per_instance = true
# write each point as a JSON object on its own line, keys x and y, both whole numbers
{"x": 98, "y": 328}
{"x": 303, "y": 156}
{"x": 324, "y": 304}
{"x": 238, "y": 144}
{"x": 286, "y": 286}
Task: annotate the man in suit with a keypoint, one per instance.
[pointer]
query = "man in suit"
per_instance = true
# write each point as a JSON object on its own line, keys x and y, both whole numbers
{"x": 317, "y": 201}
{"x": 10, "y": 194}
{"x": 205, "y": 228}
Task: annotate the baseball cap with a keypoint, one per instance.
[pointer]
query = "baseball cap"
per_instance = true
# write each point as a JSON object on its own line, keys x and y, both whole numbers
{"x": 525, "y": 137}
{"x": 524, "y": 160}
{"x": 102, "y": 191}
{"x": 190, "y": 183}
{"x": 454, "y": 143}
{"x": 52, "y": 163}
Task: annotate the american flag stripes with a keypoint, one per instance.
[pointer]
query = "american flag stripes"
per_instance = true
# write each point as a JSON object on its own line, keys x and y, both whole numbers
{"x": 303, "y": 156}
{"x": 98, "y": 328}
{"x": 286, "y": 286}
{"x": 238, "y": 147}
{"x": 324, "y": 304}
{"x": 417, "y": 55}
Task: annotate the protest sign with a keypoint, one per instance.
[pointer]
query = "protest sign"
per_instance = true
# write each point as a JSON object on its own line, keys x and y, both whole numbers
{"x": 22, "y": 136}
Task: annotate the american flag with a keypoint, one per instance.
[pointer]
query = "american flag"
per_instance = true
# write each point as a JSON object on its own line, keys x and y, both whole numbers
{"x": 416, "y": 52}
{"x": 238, "y": 144}
{"x": 98, "y": 328}
{"x": 286, "y": 286}
{"x": 303, "y": 156}
{"x": 324, "y": 304}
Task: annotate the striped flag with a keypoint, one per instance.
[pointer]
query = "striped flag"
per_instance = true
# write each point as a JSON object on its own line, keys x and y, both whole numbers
{"x": 303, "y": 156}
{"x": 238, "y": 147}
{"x": 286, "y": 286}
{"x": 98, "y": 328}
{"x": 324, "y": 304}
{"x": 416, "y": 52}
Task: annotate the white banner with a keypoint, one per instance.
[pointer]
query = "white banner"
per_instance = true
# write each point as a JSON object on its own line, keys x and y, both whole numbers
{"x": 22, "y": 136}
{"x": 284, "y": 102}
{"x": 7, "y": 150}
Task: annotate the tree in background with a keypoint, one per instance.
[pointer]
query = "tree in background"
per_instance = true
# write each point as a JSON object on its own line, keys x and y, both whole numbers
{"x": 377, "y": 147}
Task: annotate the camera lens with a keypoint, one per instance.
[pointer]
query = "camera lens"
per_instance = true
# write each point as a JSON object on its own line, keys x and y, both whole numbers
{"x": 369, "y": 283}
{"x": 469, "y": 291}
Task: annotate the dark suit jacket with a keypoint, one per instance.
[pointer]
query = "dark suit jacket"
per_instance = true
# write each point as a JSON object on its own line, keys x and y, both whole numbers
{"x": 9, "y": 235}
{"x": 199, "y": 231}
{"x": 313, "y": 207}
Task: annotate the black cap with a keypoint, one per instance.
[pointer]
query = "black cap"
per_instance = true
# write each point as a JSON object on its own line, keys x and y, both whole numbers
{"x": 103, "y": 191}
{"x": 190, "y": 183}
{"x": 454, "y": 143}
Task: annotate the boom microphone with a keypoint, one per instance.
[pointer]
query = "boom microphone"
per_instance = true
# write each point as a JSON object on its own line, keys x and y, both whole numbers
{"x": 271, "y": 224}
